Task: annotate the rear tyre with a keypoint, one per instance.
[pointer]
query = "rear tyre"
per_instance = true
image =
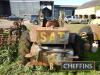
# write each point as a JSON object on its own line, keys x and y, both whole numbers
{"x": 87, "y": 36}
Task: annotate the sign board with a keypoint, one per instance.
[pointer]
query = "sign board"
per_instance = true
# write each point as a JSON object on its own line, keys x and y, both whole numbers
{"x": 52, "y": 36}
{"x": 79, "y": 65}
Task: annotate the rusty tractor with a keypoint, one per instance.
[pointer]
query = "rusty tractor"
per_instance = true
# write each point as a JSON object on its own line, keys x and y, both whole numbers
{"x": 53, "y": 46}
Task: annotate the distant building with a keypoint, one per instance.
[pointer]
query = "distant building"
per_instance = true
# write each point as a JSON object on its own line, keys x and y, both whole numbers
{"x": 24, "y": 8}
{"x": 89, "y": 10}
{"x": 27, "y": 8}
{"x": 68, "y": 10}
{"x": 5, "y": 8}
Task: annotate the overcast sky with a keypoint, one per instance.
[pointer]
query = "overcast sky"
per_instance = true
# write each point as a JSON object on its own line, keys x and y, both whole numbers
{"x": 70, "y": 2}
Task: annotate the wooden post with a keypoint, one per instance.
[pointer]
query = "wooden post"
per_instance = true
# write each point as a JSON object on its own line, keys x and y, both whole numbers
{"x": 40, "y": 17}
{"x": 61, "y": 18}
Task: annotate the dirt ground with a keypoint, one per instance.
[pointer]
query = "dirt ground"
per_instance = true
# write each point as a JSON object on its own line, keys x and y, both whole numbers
{"x": 7, "y": 24}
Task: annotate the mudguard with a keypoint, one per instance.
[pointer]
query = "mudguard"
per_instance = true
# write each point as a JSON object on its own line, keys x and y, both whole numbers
{"x": 95, "y": 30}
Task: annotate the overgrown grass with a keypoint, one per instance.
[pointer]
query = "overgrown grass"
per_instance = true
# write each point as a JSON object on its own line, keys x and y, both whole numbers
{"x": 89, "y": 56}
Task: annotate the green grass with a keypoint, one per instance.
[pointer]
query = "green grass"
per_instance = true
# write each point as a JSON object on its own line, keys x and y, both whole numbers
{"x": 74, "y": 27}
{"x": 68, "y": 73}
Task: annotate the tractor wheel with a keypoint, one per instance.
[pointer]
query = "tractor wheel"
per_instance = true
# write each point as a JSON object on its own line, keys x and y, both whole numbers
{"x": 87, "y": 35}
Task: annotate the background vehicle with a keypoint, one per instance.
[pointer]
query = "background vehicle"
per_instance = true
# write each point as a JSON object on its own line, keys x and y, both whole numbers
{"x": 34, "y": 19}
{"x": 14, "y": 18}
{"x": 74, "y": 19}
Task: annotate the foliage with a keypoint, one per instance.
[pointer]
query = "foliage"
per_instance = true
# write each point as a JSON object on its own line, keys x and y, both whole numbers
{"x": 14, "y": 69}
{"x": 8, "y": 53}
{"x": 97, "y": 8}
{"x": 89, "y": 56}
{"x": 9, "y": 67}
{"x": 9, "y": 64}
